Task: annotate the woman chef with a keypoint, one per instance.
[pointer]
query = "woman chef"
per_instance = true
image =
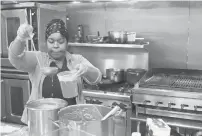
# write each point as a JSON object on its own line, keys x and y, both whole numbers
{"x": 57, "y": 44}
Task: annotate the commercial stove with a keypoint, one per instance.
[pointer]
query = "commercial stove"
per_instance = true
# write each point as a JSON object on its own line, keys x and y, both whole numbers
{"x": 108, "y": 94}
{"x": 175, "y": 95}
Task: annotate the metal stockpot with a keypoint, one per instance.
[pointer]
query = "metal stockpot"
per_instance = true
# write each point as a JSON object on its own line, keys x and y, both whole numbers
{"x": 115, "y": 75}
{"x": 117, "y": 36}
{"x": 73, "y": 115}
{"x": 40, "y": 114}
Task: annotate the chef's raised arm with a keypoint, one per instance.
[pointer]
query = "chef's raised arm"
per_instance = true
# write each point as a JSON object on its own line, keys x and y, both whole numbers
{"x": 18, "y": 57}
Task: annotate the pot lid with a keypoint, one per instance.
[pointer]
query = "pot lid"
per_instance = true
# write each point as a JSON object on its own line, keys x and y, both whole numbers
{"x": 46, "y": 104}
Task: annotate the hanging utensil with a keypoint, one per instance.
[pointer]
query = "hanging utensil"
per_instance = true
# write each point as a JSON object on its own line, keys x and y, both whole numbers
{"x": 115, "y": 75}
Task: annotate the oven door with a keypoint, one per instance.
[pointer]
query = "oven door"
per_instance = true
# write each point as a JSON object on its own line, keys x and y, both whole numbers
{"x": 10, "y": 22}
{"x": 17, "y": 93}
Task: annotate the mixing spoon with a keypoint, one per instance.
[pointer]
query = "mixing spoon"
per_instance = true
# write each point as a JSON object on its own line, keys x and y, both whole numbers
{"x": 112, "y": 112}
{"x": 31, "y": 38}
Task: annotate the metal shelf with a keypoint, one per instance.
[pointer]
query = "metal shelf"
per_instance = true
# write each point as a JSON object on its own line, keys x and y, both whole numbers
{"x": 108, "y": 45}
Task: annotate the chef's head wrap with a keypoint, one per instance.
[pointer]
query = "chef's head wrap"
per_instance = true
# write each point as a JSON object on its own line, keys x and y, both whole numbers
{"x": 57, "y": 26}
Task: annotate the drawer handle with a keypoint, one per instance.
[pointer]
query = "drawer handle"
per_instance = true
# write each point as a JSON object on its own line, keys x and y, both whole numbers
{"x": 184, "y": 106}
{"x": 157, "y": 103}
{"x": 170, "y": 104}
{"x": 197, "y": 107}
{"x": 147, "y": 101}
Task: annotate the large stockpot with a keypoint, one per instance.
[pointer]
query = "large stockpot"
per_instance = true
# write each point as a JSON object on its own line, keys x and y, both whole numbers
{"x": 115, "y": 75}
{"x": 72, "y": 115}
{"x": 40, "y": 114}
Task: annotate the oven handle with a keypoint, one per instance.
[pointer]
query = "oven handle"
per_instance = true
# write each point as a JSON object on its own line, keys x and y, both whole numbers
{"x": 14, "y": 76}
{"x": 198, "y": 108}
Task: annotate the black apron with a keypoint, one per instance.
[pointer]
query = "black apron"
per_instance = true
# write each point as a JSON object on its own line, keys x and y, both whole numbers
{"x": 51, "y": 85}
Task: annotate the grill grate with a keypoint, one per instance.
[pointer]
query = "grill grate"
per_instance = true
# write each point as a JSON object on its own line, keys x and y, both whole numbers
{"x": 186, "y": 82}
{"x": 175, "y": 81}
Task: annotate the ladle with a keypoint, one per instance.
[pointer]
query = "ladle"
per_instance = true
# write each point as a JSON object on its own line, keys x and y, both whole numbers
{"x": 112, "y": 112}
{"x": 31, "y": 38}
{"x": 46, "y": 70}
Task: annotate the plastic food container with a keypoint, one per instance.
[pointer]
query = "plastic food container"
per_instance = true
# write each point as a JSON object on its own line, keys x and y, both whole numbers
{"x": 68, "y": 83}
{"x": 157, "y": 127}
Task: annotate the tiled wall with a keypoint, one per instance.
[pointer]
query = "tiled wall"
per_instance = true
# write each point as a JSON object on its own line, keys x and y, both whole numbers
{"x": 166, "y": 25}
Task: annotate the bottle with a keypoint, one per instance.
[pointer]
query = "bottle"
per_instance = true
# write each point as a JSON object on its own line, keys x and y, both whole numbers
{"x": 80, "y": 33}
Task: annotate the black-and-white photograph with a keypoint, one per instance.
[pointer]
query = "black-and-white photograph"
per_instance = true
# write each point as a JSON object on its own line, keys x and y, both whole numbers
{"x": 101, "y": 68}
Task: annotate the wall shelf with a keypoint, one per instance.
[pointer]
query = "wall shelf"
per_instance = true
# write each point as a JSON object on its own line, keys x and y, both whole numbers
{"x": 109, "y": 45}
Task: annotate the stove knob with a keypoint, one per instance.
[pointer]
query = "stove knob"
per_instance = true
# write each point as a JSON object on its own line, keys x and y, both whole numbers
{"x": 198, "y": 107}
{"x": 183, "y": 106}
{"x": 146, "y": 102}
{"x": 170, "y": 104}
{"x": 157, "y": 103}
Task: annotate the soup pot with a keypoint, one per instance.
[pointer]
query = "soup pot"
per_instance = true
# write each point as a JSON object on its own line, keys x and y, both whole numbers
{"x": 117, "y": 36}
{"x": 85, "y": 120}
{"x": 115, "y": 75}
{"x": 40, "y": 114}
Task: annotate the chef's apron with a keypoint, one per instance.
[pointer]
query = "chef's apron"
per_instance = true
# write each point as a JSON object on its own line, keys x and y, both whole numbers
{"x": 51, "y": 85}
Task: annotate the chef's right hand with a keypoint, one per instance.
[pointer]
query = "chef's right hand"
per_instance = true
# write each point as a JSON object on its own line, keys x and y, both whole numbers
{"x": 25, "y": 32}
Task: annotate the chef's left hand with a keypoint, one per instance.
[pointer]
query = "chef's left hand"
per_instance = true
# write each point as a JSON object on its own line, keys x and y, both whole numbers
{"x": 81, "y": 69}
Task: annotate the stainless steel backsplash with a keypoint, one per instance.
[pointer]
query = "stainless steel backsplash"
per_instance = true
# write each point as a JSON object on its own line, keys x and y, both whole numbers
{"x": 104, "y": 57}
